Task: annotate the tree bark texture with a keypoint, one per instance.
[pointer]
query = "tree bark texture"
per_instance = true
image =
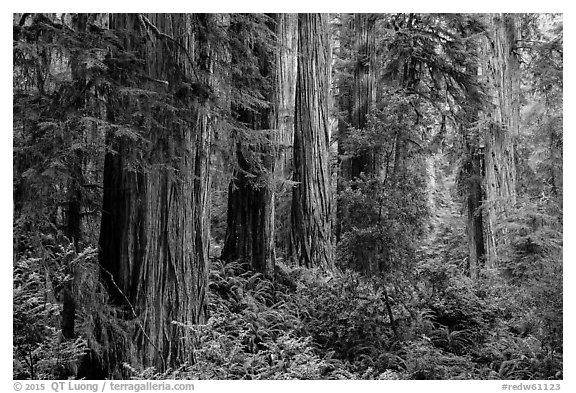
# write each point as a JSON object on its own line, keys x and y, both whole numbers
{"x": 474, "y": 170}
{"x": 358, "y": 99}
{"x": 154, "y": 234}
{"x": 284, "y": 107}
{"x": 74, "y": 213}
{"x": 311, "y": 231}
{"x": 474, "y": 221}
{"x": 501, "y": 69}
{"x": 250, "y": 220}
{"x": 363, "y": 88}
{"x": 250, "y": 215}
{"x": 251, "y": 196}
{"x": 285, "y": 92}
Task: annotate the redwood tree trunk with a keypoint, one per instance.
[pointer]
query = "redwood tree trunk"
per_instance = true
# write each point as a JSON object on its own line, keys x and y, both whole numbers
{"x": 474, "y": 222}
{"x": 154, "y": 234}
{"x": 358, "y": 98}
{"x": 363, "y": 88}
{"x": 284, "y": 108}
{"x": 250, "y": 234}
{"x": 311, "y": 231}
{"x": 475, "y": 171}
{"x": 250, "y": 222}
{"x": 285, "y": 92}
{"x": 250, "y": 216}
{"x": 502, "y": 73}
{"x": 74, "y": 213}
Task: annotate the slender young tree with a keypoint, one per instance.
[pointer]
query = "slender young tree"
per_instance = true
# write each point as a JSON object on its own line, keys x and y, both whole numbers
{"x": 154, "y": 233}
{"x": 311, "y": 230}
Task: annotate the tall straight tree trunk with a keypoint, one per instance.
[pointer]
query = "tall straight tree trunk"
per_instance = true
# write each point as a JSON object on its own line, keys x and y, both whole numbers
{"x": 250, "y": 218}
{"x": 74, "y": 213}
{"x": 154, "y": 233}
{"x": 250, "y": 234}
{"x": 311, "y": 231}
{"x": 474, "y": 220}
{"x": 502, "y": 73}
{"x": 358, "y": 99}
{"x": 285, "y": 92}
{"x": 284, "y": 107}
{"x": 474, "y": 171}
{"x": 364, "y": 88}
{"x": 250, "y": 215}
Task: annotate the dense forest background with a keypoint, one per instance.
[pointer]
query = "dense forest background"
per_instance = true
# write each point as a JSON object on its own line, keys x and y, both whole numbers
{"x": 287, "y": 196}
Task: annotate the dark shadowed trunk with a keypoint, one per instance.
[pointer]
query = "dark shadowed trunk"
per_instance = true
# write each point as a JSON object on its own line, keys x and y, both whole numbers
{"x": 474, "y": 172}
{"x": 250, "y": 225}
{"x": 154, "y": 234}
{"x": 250, "y": 234}
{"x": 364, "y": 88}
{"x": 311, "y": 231}
{"x": 74, "y": 212}
{"x": 474, "y": 225}
{"x": 358, "y": 99}
{"x": 250, "y": 216}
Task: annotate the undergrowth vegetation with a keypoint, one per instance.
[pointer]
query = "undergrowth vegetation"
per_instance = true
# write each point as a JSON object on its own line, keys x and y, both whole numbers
{"x": 303, "y": 324}
{"x": 99, "y": 332}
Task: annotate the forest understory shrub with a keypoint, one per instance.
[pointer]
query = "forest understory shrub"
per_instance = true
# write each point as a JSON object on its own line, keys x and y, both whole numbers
{"x": 58, "y": 291}
{"x": 302, "y": 325}
{"x": 305, "y": 324}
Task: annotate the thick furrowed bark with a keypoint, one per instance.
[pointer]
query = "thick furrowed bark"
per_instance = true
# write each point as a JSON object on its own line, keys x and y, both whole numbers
{"x": 250, "y": 235}
{"x": 283, "y": 136}
{"x": 364, "y": 89}
{"x": 311, "y": 201}
{"x": 154, "y": 236}
{"x": 502, "y": 73}
{"x": 474, "y": 224}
